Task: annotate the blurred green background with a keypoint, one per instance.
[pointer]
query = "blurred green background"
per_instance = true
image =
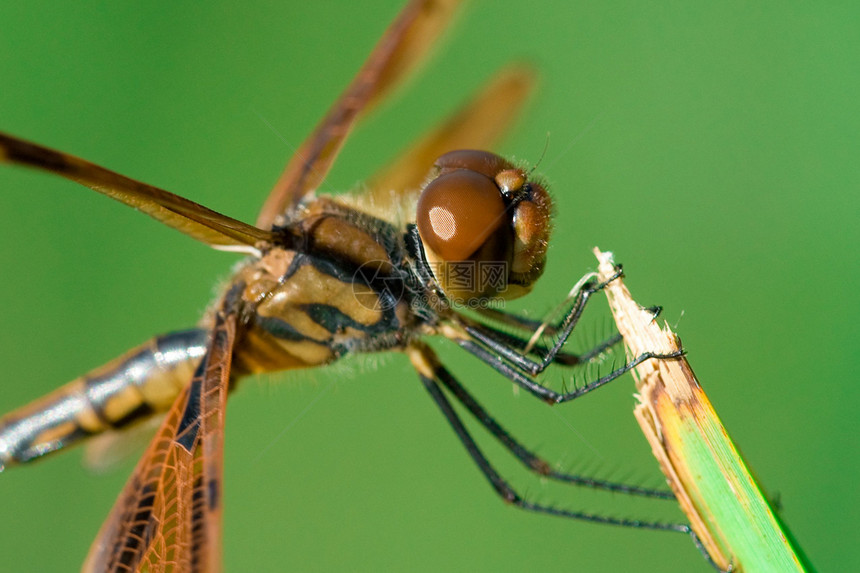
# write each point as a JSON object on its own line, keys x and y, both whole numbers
{"x": 712, "y": 146}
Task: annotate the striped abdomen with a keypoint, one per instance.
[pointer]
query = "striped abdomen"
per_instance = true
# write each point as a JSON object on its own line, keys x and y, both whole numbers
{"x": 144, "y": 381}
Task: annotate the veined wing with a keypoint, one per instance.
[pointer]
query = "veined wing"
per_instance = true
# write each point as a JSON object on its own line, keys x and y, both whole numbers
{"x": 168, "y": 516}
{"x": 403, "y": 46}
{"x": 477, "y": 124}
{"x": 191, "y": 218}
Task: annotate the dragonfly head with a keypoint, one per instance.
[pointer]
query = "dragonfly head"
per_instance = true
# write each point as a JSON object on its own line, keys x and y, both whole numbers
{"x": 484, "y": 226}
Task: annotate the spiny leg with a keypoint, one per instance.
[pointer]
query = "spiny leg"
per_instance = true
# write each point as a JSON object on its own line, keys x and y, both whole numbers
{"x": 430, "y": 370}
{"x": 562, "y": 358}
{"x": 513, "y": 347}
{"x": 537, "y": 329}
{"x": 528, "y": 458}
{"x": 527, "y": 325}
{"x": 513, "y": 361}
{"x": 517, "y": 351}
{"x": 547, "y": 395}
{"x": 580, "y": 294}
{"x": 546, "y": 327}
{"x": 517, "y": 321}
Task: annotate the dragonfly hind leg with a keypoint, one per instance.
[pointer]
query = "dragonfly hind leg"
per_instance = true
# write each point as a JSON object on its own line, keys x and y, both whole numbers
{"x": 432, "y": 374}
{"x": 144, "y": 381}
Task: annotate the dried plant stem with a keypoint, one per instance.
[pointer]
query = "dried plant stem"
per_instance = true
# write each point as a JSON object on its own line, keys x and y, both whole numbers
{"x": 714, "y": 488}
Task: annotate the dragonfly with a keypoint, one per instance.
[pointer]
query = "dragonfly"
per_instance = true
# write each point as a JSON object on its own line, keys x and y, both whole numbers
{"x": 438, "y": 240}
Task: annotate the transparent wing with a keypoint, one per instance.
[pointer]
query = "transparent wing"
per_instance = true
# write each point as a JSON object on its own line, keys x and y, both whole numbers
{"x": 478, "y": 124}
{"x": 104, "y": 452}
{"x": 168, "y": 516}
{"x": 403, "y": 46}
{"x": 186, "y": 216}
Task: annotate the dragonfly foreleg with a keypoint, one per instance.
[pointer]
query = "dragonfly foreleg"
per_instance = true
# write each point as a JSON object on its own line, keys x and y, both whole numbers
{"x": 517, "y": 349}
{"x": 511, "y": 355}
{"x": 528, "y": 382}
{"x": 580, "y": 294}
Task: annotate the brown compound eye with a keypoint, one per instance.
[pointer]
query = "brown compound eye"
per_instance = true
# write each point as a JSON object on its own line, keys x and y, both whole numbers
{"x": 483, "y": 162}
{"x": 457, "y": 212}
